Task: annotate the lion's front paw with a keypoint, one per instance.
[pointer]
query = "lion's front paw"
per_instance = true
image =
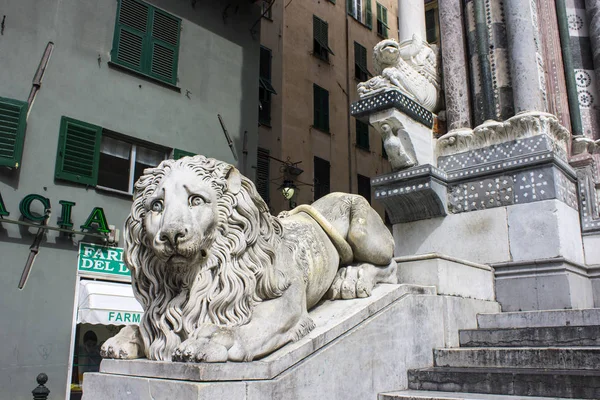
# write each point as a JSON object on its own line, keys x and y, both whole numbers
{"x": 122, "y": 348}
{"x": 352, "y": 282}
{"x": 198, "y": 350}
{"x": 210, "y": 343}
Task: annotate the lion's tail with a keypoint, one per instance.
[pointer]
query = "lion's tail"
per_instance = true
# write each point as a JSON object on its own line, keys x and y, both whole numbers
{"x": 341, "y": 245}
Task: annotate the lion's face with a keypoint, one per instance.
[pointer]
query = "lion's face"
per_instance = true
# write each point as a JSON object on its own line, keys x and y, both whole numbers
{"x": 181, "y": 218}
{"x": 387, "y": 52}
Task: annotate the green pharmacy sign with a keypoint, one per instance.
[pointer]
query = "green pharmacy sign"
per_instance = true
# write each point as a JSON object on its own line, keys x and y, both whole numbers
{"x": 102, "y": 260}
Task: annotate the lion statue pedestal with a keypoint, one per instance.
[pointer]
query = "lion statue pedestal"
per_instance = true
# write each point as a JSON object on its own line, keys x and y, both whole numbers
{"x": 221, "y": 279}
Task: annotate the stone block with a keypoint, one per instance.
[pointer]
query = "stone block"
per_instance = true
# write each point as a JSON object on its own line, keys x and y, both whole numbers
{"x": 359, "y": 348}
{"x": 591, "y": 249}
{"x": 450, "y": 276}
{"x": 525, "y": 319}
{"x": 544, "y": 229}
{"x": 480, "y": 237}
{"x": 542, "y": 285}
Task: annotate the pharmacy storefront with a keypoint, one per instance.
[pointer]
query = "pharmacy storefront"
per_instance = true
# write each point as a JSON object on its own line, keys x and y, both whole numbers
{"x": 104, "y": 304}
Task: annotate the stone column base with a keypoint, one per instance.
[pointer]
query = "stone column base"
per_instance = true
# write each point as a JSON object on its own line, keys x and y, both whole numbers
{"x": 544, "y": 284}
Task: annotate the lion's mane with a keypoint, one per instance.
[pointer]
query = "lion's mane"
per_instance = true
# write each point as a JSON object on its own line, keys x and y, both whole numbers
{"x": 239, "y": 273}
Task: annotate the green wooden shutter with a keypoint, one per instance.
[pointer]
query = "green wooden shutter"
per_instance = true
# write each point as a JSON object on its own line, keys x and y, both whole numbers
{"x": 164, "y": 47}
{"x": 317, "y": 115}
{"x": 177, "y": 154}
{"x": 131, "y": 30}
{"x": 262, "y": 173}
{"x": 369, "y": 15}
{"x": 325, "y": 108}
{"x": 350, "y": 7}
{"x": 362, "y": 135}
{"x": 13, "y": 120}
{"x": 384, "y": 19}
{"x": 78, "y": 152}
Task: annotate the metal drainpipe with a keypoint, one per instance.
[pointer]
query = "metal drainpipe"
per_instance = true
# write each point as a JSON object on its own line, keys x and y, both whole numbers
{"x": 348, "y": 117}
{"x": 483, "y": 47}
{"x": 565, "y": 45}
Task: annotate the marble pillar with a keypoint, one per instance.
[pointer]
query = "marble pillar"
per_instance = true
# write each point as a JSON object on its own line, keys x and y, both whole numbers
{"x": 592, "y": 8}
{"x": 456, "y": 80}
{"x": 411, "y": 18}
{"x": 525, "y": 69}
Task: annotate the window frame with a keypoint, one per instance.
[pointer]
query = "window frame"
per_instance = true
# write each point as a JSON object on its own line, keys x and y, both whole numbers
{"x": 364, "y": 134}
{"x": 147, "y": 47}
{"x": 364, "y": 179}
{"x": 321, "y": 108}
{"x": 434, "y": 9}
{"x": 321, "y": 48}
{"x": 317, "y": 185}
{"x": 94, "y": 150}
{"x": 265, "y": 88}
{"x": 382, "y": 21}
{"x": 361, "y": 72}
{"x": 266, "y": 10}
{"x": 364, "y": 16}
{"x": 132, "y": 158}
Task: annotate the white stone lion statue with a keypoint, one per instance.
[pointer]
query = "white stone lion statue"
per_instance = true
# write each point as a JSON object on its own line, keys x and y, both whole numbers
{"x": 221, "y": 279}
{"x": 410, "y": 67}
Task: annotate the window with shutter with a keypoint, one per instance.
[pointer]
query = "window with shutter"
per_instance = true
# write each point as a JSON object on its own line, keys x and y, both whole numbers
{"x": 89, "y": 155}
{"x": 146, "y": 40}
{"x": 364, "y": 186}
{"x": 321, "y": 39}
{"x": 322, "y": 177}
{"x": 382, "y": 26}
{"x": 362, "y": 135}
{"x": 13, "y": 121}
{"x": 368, "y": 15}
{"x": 78, "y": 152}
{"x": 360, "y": 63}
{"x": 321, "y": 108}
{"x": 177, "y": 154}
{"x": 262, "y": 174}
{"x": 265, "y": 89}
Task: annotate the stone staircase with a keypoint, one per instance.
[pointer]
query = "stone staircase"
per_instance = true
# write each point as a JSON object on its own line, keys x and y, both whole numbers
{"x": 516, "y": 355}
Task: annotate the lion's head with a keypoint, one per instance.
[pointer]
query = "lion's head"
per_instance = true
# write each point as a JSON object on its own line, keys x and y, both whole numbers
{"x": 385, "y": 54}
{"x": 200, "y": 246}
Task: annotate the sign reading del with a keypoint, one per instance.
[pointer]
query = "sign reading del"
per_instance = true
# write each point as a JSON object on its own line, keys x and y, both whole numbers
{"x": 102, "y": 260}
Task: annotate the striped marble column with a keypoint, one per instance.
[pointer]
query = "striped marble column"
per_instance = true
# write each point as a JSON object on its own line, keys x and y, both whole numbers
{"x": 526, "y": 60}
{"x": 592, "y": 8}
{"x": 454, "y": 55}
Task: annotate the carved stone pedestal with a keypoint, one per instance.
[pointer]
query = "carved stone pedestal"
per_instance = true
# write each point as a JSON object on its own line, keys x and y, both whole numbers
{"x": 404, "y": 125}
{"x": 503, "y": 195}
{"x": 390, "y": 332}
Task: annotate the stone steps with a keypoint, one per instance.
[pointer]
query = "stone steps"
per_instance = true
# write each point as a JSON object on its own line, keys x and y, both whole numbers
{"x": 583, "y": 384}
{"x": 427, "y": 395}
{"x": 532, "y": 319}
{"x": 559, "y": 336}
{"x": 565, "y": 358}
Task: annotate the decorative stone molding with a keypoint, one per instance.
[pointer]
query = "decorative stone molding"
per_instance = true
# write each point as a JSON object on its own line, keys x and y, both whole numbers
{"x": 522, "y": 125}
{"x": 515, "y": 172}
{"x": 391, "y": 98}
{"x": 410, "y": 67}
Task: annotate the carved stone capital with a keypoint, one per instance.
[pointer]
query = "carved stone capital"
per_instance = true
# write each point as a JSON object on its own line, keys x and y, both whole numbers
{"x": 522, "y": 125}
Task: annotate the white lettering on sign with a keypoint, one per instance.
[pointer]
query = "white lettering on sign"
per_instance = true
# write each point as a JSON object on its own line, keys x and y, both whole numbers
{"x": 121, "y": 316}
{"x": 102, "y": 260}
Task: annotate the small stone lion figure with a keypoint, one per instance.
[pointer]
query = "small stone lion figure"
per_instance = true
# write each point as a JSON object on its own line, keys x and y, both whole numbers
{"x": 221, "y": 279}
{"x": 410, "y": 67}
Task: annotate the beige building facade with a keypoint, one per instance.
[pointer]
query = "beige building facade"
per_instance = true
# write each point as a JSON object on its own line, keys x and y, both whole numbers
{"x": 313, "y": 55}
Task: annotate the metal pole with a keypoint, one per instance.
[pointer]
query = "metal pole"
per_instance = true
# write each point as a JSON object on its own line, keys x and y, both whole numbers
{"x": 41, "y": 392}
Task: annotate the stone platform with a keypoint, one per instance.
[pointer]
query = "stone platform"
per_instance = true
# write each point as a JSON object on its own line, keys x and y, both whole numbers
{"x": 359, "y": 348}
